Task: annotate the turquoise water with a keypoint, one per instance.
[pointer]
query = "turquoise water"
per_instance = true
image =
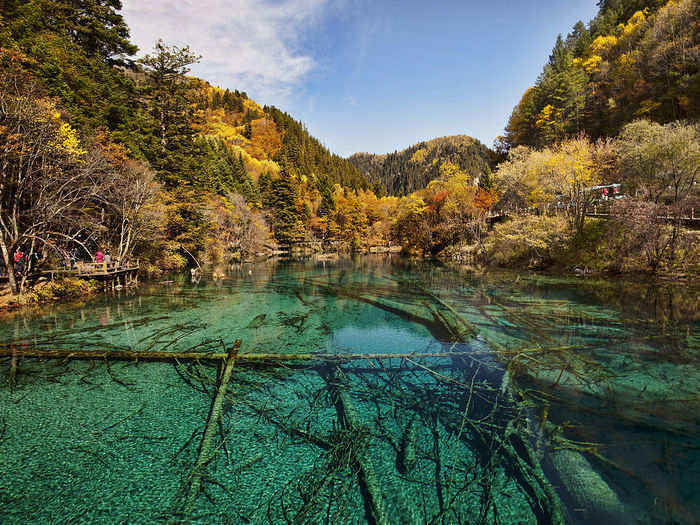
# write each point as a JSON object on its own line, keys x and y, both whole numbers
{"x": 566, "y": 400}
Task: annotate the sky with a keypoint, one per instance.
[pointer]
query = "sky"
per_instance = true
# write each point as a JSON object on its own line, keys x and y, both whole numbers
{"x": 369, "y": 75}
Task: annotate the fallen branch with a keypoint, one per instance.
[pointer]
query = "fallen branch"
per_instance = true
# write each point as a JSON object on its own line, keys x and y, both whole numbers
{"x": 367, "y": 476}
{"x": 216, "y": 356}
{"x": 210, "y": 430}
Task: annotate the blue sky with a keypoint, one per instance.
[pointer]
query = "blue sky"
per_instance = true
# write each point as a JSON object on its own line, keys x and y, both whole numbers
{"x": 363, "y": 75}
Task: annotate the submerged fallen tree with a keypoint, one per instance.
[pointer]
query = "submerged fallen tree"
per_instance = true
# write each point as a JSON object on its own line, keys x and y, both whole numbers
{"x": 205, "y": 454}
{"x": 367, "y": 476}
{"x": 214, "y": 356}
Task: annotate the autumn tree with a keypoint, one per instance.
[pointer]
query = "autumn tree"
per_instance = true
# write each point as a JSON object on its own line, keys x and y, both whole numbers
{"x": 639, "y": 229}
{"x": 411, "y": 228}
{"x": 41, "y": 184}
{"x": 237, "y": 231}
{"x": 128, "y": 200}
{"x": 575, "y": 166}
{"x": 535, "y": 240}
{"x": 568, "y": 170}
{"x": 660, "y": 161}
{"x": 662, "y": 164}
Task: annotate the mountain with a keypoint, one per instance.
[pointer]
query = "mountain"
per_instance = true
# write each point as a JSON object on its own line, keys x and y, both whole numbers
{"x": 265, "y": 138}
{"x": 411, "y": 169}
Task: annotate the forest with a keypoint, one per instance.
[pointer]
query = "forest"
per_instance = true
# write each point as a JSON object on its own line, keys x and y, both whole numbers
{"x": 135, "y": 156}
{"x": 403, "y": 172}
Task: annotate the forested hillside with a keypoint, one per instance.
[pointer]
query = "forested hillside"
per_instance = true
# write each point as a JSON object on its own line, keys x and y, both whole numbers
{"x": 406, "y": 171}
{"x": 217, "y": 174}
{"x": 636, "y": 59}
{"x": 611, "y": 122}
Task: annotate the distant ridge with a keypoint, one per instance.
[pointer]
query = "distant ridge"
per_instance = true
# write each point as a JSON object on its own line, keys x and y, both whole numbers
{"x": 411, "y": 169}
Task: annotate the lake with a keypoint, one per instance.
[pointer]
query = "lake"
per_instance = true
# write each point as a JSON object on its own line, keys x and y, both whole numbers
{"x": 513, "y": 398}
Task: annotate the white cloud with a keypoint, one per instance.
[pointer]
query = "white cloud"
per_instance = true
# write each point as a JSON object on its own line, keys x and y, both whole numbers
{"x": 251, "y": 45}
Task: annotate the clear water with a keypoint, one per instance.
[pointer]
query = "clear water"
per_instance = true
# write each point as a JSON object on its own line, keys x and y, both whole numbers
{"x": 578, "y": 399}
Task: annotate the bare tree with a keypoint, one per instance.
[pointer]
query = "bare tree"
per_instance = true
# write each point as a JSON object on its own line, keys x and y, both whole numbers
{"x": 126, "y": 207}
{"x": 41, "y": 183}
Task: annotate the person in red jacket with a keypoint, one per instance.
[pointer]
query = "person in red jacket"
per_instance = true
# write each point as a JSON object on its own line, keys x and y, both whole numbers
{"x": 99, "y": 256}
{"x": 19, "y": 261}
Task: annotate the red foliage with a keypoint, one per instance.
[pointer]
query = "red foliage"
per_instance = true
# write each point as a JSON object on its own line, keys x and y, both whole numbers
{"x": 484, "y": 199}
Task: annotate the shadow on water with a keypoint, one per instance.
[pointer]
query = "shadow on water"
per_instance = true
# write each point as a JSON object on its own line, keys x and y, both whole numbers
{"x": 565, "y": 401}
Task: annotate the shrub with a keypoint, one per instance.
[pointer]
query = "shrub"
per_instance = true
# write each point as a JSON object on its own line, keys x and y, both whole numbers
{"x": 528, "y": 239}
{"x": 67, "y": 288}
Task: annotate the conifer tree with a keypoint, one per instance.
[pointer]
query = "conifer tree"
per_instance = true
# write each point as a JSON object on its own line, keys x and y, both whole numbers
{"x": 284, "y": 204}
{"x": 167, "y": 88}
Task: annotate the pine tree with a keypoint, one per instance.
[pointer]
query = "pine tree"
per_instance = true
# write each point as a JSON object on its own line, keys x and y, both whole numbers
{"x": 327, "y": 203}
{"x": 167, "y": 88}
{"x": 284, "y": 204}
{"x": 248, "y": 130}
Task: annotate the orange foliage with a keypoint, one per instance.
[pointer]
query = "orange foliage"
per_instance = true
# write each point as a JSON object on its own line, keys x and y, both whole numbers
{"x": 266, "y": 138}
{"x": 484, "y": 199}
{"x": 437, "y": 200}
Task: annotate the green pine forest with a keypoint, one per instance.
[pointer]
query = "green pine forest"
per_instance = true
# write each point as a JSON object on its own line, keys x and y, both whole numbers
{"x": 100, "y": 149}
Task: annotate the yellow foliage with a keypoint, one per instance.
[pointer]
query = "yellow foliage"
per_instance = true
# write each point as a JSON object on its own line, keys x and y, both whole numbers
{"x": 225, "y": 131}
{"x": 527, "y": 239}
{"x": 633, "y": 25}
{"x": 647, "y": 106}
{"x": 409, "y": 205}
{"x": 266, "y": 137}
{"x": 627, "y": 59}
{"x": 419, "y": 155}
{"x": 253, "y": 166}
{"x": 602, "y": 45}
{"x": 592, "y": 64}
{"x": 67, "y": 140}
{"x": 547, "y": 116}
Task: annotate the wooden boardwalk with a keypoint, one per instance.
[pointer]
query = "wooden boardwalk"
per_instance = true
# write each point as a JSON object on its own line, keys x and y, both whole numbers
{"x": 689, "y": 217}
{"x": 117, "y": 274}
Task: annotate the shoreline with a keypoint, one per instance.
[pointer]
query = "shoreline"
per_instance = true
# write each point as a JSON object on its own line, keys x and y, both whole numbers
{"x": 79, "y": 289}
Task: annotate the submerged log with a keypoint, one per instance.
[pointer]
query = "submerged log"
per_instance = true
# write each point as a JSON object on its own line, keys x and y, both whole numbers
{"x": 215, "y": 356}
{"x": 205, "y": 454}
{"x": 13, "y": 370}
{"x": 367, "y": 476}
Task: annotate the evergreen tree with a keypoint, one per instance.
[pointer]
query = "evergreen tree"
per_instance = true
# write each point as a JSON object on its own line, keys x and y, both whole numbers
{"x": 284, "y": 204}
{"x": 327, "y": 203}
{"x": 169, "y": 103}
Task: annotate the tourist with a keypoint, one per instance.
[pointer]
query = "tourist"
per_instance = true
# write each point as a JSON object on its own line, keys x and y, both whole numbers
{"x": 19, "y": 261}
{"x": 99, "y": 256}
{"x": 108, "y": 258}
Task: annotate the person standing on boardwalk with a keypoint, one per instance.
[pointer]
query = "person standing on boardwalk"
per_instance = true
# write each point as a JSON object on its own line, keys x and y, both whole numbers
{"x": 99, "y": 256}
{"x": 19, "y": 262}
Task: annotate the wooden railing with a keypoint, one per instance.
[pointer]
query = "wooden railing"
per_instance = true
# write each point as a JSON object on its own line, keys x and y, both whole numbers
{"x": 87, "y": 269}
{"x": 687, "y": 216}
{"x": 602, "y": 212}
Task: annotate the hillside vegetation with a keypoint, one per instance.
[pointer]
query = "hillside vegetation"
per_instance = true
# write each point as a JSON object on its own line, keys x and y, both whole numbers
{"x": 411, "y": 169}
{"x": 216, "y": 174}
{"x": 636, "y": 59}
